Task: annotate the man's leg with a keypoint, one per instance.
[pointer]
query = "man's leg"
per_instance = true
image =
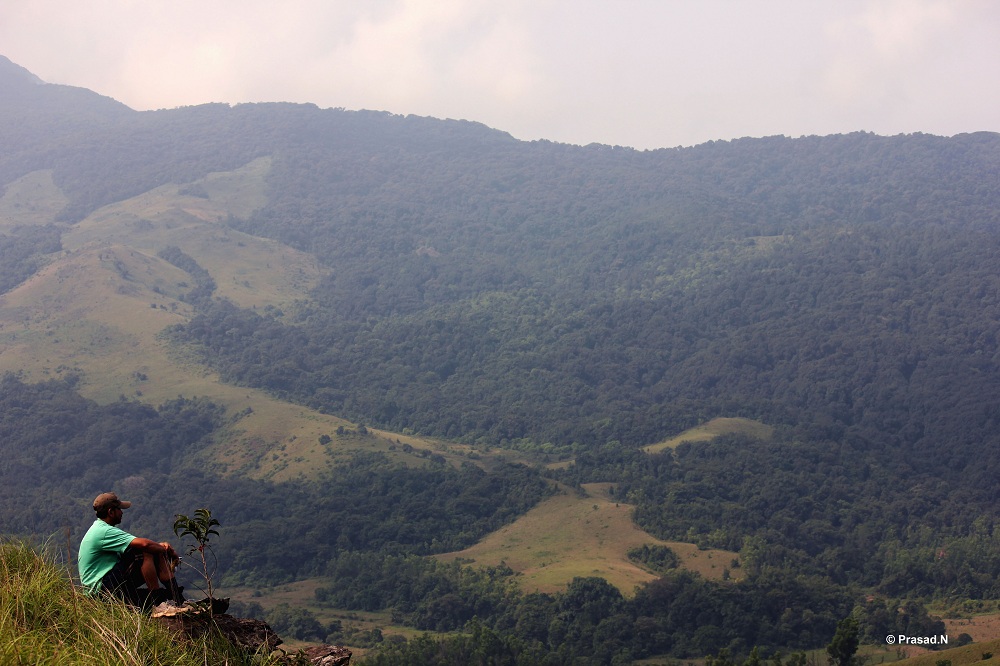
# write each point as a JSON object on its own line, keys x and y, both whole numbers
{"x": 148, "y": 569}
{"x": 165, "y": 572}
{"x": 118, "y": 582}
{"x": 156, "y": 571}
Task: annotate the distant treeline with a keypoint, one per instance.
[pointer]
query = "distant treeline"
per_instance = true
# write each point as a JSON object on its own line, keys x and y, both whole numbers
{"x": 591, "y": 622}
{"x": 60, "y": 450}
{"x": 589, "y": 301}
{"x": 363, "y": 527}
{"x": 848, "y": 511}
{"x": 502, "y": 291}
{"x": 204, "y": 282}
{"x": 21, "y": 252}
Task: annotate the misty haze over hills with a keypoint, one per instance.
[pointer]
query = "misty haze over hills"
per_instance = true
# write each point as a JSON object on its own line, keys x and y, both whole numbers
{"x": 566, "y": 306}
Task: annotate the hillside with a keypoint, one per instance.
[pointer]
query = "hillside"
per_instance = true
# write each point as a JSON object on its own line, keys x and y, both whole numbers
{"x": 48, "y": 621}
{"x": 979, "y": 653}
{"x": 567, "y": 537}
{"x": 97, "y": 310}
{"x": 393, "y": 336}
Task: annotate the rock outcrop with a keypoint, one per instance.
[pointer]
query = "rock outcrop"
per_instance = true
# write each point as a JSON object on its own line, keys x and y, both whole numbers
{"x": 251, "y": 635}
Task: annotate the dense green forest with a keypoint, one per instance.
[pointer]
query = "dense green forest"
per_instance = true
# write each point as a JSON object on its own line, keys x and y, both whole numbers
{"x": 364, "y": 527}
{"x": 846, "y": 295}
{"x": 568, "y": 302}
{"x": 20, "y": 252}
{"x": 592, "y": 622}
{"x": 838, "y": 510}
{"x": 608, "y": 294}
{"x": 57, "y": 448}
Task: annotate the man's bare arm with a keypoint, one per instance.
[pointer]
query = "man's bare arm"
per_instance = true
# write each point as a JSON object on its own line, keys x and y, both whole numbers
{"x": 154, "y": 547}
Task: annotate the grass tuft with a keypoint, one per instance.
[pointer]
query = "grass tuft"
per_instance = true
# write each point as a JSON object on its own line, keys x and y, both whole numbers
{"x": 46, "y": 620}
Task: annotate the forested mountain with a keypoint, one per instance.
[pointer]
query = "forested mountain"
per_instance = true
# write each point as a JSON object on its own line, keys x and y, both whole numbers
{"x": 586, "y": 301}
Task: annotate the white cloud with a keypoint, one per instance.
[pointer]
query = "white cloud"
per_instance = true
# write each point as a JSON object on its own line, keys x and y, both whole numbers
{"x": 876, "y": 45}
{"x": 893, "y": 66}
{"x": 636, "y": 72}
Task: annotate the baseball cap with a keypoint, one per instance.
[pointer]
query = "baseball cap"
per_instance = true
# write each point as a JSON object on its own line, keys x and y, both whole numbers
{"x": 109, "y": 501}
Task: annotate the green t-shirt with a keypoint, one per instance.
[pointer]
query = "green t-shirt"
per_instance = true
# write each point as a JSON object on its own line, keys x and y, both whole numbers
{"x": 100, "y": 550}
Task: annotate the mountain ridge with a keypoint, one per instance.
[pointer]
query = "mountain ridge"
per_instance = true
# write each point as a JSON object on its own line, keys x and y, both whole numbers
{"x": 13, "y": 75}
{"x": 431, "y": 311}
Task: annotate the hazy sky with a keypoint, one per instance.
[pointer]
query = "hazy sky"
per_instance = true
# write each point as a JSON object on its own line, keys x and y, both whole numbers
{"x": 643, "y": 73}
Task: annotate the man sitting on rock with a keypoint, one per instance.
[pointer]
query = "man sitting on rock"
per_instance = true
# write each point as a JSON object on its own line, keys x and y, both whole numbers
{"x": 115, "y": 562}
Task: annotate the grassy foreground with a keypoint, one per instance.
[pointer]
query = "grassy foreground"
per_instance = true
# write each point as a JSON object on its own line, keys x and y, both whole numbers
{"x": 45, "y": 619}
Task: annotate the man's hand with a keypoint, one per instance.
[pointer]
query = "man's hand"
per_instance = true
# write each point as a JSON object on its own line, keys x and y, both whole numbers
{"x": 169, "y": 551}
{"x": 155, "y": 548}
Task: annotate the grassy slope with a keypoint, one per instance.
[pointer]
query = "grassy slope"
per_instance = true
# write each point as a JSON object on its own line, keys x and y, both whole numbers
{"x": 569, "y": 535}
{"x": 983, "y": 628}
{"x": 712, "y": 429}
{"x": 251, "y": 271}
{"x": 967, "y": 654}
{"x": 44, "y": 619}
{"x": 563, "y": 537}
{"x": 98, "y": 307}
{"x": 32, "y": 199}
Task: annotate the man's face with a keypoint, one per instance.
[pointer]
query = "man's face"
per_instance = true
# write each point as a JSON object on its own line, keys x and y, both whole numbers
{"x": 115, "y": 516}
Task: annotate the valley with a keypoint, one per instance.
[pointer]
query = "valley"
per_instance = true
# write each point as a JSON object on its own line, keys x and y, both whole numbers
{"x": 424, "y": 371}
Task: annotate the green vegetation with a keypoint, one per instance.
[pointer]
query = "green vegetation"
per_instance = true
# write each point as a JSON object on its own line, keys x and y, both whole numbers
{"x": 844, "y": 645}
{"x": 658, "y": 558}
{"x": 714, "y": 428}
{"x": 21, "y": 251}
{"x": 582, "y": 534}
{"x": 45, "y": 619}
{"x": 679, "y": 613}
{"x": 847, "y": 510}
{"x": 838, "y": 296}
{"x": 57, "y": 447}
{"x": 200, "y": 527}
{"x": 205, "y": 285}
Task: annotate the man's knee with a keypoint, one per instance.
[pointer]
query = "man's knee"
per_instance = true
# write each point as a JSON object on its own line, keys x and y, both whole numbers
{"x": 119, "y": 583}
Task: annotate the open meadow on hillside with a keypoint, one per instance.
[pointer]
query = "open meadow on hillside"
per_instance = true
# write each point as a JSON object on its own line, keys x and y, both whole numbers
{"x": 712, "y": 429}
{"x": 584, "y": 534}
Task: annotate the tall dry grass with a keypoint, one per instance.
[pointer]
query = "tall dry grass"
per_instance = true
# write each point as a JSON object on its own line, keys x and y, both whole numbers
{"x": 46, "y": 620}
